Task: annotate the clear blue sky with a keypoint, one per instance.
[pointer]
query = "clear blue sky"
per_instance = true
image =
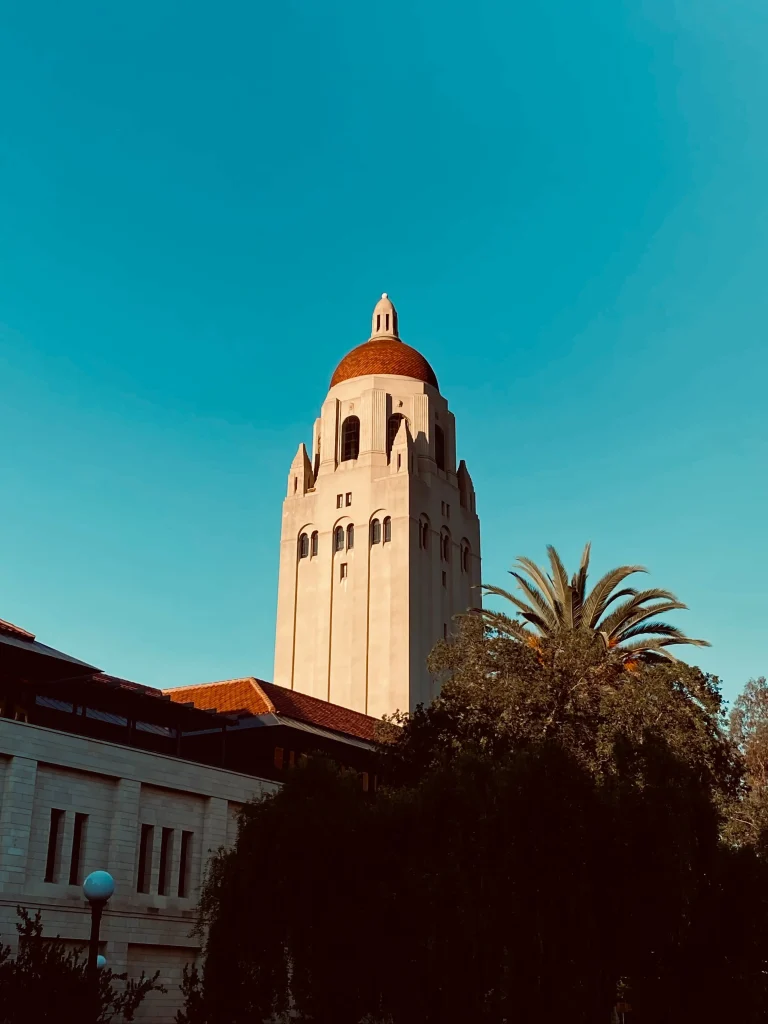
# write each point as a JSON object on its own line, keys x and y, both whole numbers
{"x": 199, "y": 205}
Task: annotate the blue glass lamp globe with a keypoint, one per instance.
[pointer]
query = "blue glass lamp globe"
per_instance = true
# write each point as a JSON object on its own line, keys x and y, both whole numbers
{"x": 99, "y": 885}
{"x": 101, "y": 961}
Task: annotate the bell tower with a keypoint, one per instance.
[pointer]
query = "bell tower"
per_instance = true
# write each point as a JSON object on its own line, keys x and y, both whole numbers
{"x": 380, "y": 543}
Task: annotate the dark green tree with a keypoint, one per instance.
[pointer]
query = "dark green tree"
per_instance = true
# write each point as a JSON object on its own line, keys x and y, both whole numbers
{"x": 47, "y": 982}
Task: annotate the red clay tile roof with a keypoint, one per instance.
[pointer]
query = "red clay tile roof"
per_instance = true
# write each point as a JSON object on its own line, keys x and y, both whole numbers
{"x": 384, "y": 355}
{"x": 256, "y": 697}
{"x": 17, "y": 632}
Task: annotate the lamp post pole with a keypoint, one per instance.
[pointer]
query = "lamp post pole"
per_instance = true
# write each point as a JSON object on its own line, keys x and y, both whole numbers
{"x": 97, "y": 889}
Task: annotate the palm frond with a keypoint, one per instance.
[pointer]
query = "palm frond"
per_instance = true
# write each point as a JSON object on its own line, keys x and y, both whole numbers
{"x": 559, "y": 575}
{"x": 540, "y": 578}
{"x": 639, "y": 614}
{"x": 537, "y": 598}
{"x": 526, "y": 610}
{"x": 600, "y": 593}
{"x": 635, "y": 603}
{"x": 650, "y": 629}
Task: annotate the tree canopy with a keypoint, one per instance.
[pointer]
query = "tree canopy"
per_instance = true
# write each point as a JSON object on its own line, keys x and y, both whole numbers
{"x": 548, "y": 835}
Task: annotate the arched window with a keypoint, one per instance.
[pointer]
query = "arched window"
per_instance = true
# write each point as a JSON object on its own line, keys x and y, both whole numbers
{"x": 424, "y": 534}
{"x": 303, "y": 545}
{"x": 465, "y": 558}
{"x": 350, "y": 536}
{"x": 350, "y": 438}
{"x": 445, "y": 547}
{"x": 375, "y": 531}
{"x": 387, "y": 529}
{"x": 439, "y": 447}
{"x": 314, "y": 543}
{"x": 393, "y": 425}
{"x": 338, "y": 538}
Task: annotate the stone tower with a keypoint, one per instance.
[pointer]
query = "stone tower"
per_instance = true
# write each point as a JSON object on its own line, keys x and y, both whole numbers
{"x": 380, "y": 541}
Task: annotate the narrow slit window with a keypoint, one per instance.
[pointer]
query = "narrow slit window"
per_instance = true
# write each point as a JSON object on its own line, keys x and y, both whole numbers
{"x": 314, "y": 543}
{"x": 445, "y": 579}
{"x": 387, "y": 529}
{"x": 439, "y": 447}
{"x": 445, "y": 631}
{"x": 166, "y": 858}
{"x": 55, "y": 835}
{"x": 185, "y": 862}
{"x": 339, "y": 501}
{"x": 78, "y": 849}
{"x": 145, "y": 858}
{"x": 350, "y": 537}
{"x": 375, "y": 531}
{"x": 348, "y": 499}
{"x": 343, "y": 571}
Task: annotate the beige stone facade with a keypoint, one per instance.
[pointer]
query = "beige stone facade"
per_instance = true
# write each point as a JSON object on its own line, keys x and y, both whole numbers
{"x": 120, "y": 799}
{"x": 380, "y": 543}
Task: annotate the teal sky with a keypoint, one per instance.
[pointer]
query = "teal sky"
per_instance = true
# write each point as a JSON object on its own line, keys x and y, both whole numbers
{"x": 199, "y": 205}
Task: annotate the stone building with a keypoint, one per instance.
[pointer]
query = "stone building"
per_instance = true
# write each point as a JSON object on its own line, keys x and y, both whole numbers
{"x": 380, "y": 543}
{"x": 380, "y": 548}
{"x": 102, "y": 773}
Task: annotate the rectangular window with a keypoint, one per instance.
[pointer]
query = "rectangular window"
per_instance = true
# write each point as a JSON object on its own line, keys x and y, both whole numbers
{"x": 78, "y": 847}
{"x": 166, "y": 859}
{"x": 145, "y": 858}
{"x": 343, "y": 571}
{"x": 445, "y": 580}
{"x": 185, "y": 861}
{"x": 348, "y": 498}
{"x": 278, "y": 757}
{"x": 55, "y": 836}
{"x": 399, "y": 460}
{"x": 339, "y": 501}
{"x": 447, "y": 510}
{"x": 442, "y": 507}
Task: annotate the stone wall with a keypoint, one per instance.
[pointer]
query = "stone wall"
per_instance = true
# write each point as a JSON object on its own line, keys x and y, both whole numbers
{"x": 111, "y": 796}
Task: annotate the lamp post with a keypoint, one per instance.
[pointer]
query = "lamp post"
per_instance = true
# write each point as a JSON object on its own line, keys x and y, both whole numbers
{"x": 97, "y": 888}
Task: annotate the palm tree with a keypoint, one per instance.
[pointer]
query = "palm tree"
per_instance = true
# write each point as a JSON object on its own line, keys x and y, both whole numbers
{"x": 553, "y": 606}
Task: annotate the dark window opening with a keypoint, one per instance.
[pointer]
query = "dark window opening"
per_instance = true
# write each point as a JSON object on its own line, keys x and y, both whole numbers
{"x": 399, "y": 460}
{"x": 445, "y": 631}
{"x": 349, "y": 498}
{"x": 339, "y": 501}
{"x": 338, "y": 538}
{"x": 350, "y": 536}
{"x": 54, "y": 844}
{"x": 393, "y": 425}
{"x": 375, "y": 531}
{"x": 439, "y": 447}
{"x": 350, "y": 438}
{"x": 387, "y": 529}
{"x": 166, "y": 856}
{"x": 424, "y": 535}
{"x": 303, "y": 546}
{"x": 465, "y": 559}
{"x": 343, "y": 571}
{"x": 145, "y": 858}
{"x": 185, "y": 861}
{"x": 445, "y": 547}
{"x": 314, "y": 543}
{"x": 378, "y": 321}
{"x": 78, "y": 844}
{"x": 445, "y": 579}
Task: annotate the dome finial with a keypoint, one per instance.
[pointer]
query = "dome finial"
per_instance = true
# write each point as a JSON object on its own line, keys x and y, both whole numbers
{"x": 384, "y": 321}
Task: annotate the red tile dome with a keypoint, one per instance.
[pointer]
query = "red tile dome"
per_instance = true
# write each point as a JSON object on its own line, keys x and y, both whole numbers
{"x": 384, "y": 355}
{"x": 384, "y": 352}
